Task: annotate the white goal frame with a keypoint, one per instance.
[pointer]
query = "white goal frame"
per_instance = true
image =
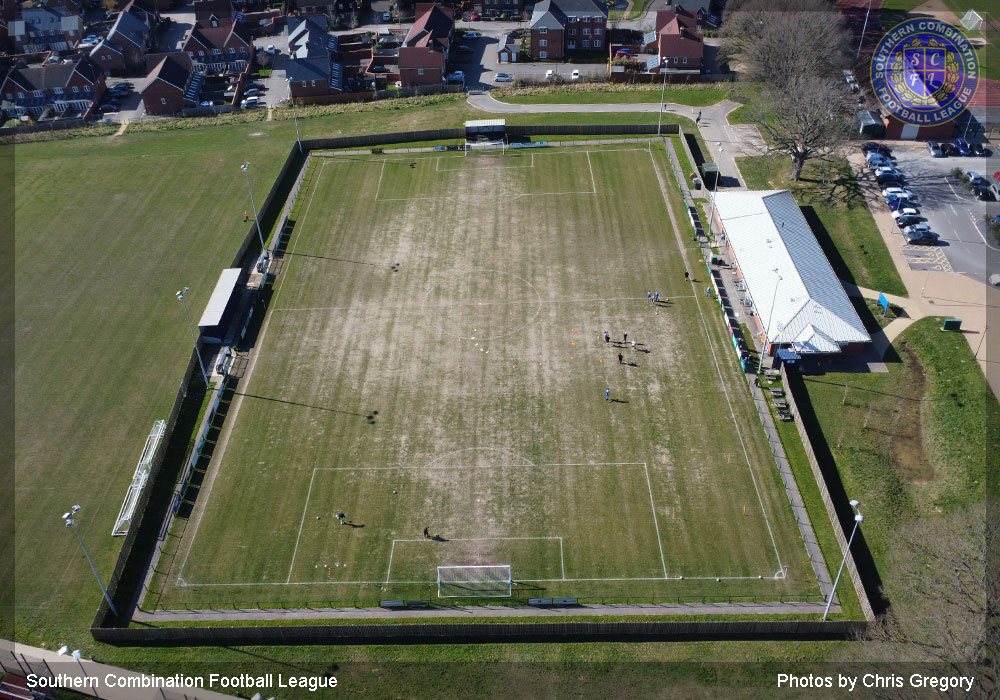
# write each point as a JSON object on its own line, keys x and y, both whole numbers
{"x": 492, "y": 586}
{"x": 125, "y": 515}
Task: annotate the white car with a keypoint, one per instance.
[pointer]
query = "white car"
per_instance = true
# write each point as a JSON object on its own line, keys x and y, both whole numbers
{"x": 904, "y": 211}
{"x": 886, "y": 170}
{"x": 575, "y": 75}
{"x": 550, "y": 75}
{"x": 899, "y": 192}
{"x": 250, "y": 102}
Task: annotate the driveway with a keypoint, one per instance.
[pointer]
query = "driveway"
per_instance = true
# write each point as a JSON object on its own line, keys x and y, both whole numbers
{"x": 181, "y": 21}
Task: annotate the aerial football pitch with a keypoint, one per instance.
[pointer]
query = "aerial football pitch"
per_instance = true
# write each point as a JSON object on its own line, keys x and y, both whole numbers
{"x": 433, "y": 362}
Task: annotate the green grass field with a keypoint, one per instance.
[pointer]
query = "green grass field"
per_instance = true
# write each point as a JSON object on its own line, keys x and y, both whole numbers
{"x": 464, "y": 391}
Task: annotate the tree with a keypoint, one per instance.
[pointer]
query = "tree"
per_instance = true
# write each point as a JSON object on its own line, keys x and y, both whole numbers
{"x": 944, "y": 599}
{"x": 773, "y": 41}
{"x": 804, "y": 118}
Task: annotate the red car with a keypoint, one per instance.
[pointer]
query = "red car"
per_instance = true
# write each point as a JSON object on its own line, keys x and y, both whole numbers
{"x": 474, "y": 16}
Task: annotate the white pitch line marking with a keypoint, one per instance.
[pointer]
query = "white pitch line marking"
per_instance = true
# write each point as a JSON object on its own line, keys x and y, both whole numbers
{"x": 379, "y": 187}
{"x": 302, "y": 522}
{"x": 652, "y": 505}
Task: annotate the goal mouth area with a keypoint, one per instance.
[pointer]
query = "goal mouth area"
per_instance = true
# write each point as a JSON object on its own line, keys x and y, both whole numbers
{"x": 489, "y": 581}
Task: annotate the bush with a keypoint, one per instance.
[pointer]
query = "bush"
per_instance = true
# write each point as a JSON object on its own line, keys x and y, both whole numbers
{"x": 957, "y": 173}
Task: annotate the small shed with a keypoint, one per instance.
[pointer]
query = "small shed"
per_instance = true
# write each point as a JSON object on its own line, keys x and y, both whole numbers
{"x": 220, "y": 307}
{"x": 870, "y": 124}
{"x": 509, "y": 49}
{"x": 710, "y": 175}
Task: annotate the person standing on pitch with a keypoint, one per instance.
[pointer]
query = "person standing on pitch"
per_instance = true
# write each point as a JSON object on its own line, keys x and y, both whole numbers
{"x": 656, "y": 298}
{"x": 625, "y": 338}
{"x": 342, "y": 518}
{"x": 620, "y": 358}
{"x": 607, "y": 394}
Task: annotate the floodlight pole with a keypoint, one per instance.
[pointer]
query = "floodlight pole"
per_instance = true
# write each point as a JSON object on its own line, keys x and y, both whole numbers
{"x": 260, "y": 234}
{"x": 70, "y": 522}
{"x": 180, "y": 297}
{"x": 864, "y": 29}
{"x": 858, "y": 519}
{"x": 663, "y": 92}
{"x": 298, "y": 136}
{"x": 767, "y": 333}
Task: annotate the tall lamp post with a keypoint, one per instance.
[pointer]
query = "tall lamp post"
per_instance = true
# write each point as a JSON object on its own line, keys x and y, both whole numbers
{"x": 71, "y": 522}
{"x": 864, "y": 29}
{"x": 767, "y": 333}
{"x": 260, "y": 234}
{"x": 298, "y": 136}
{"x": 180, "y": 297}
{"x": 858, "y": 519}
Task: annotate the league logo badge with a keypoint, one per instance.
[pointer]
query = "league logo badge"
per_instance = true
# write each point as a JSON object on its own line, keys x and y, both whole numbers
{"x": 924, "y": 71}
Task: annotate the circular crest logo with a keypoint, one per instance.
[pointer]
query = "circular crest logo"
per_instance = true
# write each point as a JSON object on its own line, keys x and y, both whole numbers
{"x": 925, "y": 71}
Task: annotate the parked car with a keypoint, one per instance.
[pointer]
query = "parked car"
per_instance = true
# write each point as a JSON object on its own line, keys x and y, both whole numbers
{"x": 917, "y": 228}
{"x": 877, "y": 160}
{"x": 471, "y": 35}
{"x": 935, "y": 149}
{"x": 928, "y": 238}
{"x": 904, "y": 211}
{"x": 985, "y": 194}
{"x": 503, "y": 78}
{"x": 975, "y": 178}
{"x": 250, "y": 102}
{"x": 963, "y": 147}
{"x": 386, "y": 16}
{"x": 872, "y": 147}
{"x": 978, "y": 149}
{"x": 623, "y": 53}
{"x": 458, "y": 77}
{"x": 949, "y": 149}
{"x": 379, "y": 68}
{"x": 909, "y": 220}
{"x": 474, "y": 16}
{"x": 462, "y": 48}
{"x": 258, "y": 86}
{"x": 251, "y": 92}
{"x": 550, "y": 74}
{"x": 888, "y": 170}
{"x": 111, "y": 107}
{"x": 897, "y": 202}
{"x": 271, "y": 50}
{"x": 899, "y": 192}
{"x": 887, "y": 182}
{"x": 575, "y": 75}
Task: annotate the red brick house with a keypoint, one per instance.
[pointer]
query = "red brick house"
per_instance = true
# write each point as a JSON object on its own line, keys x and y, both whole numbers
{"x": 46, "y": 29}
{"x": 497, "y": 8}
{"x": 173, "y": 85}
{"x": 309, "y": 68}
{"x": 559, "y": 27}
{"x": 125, "y": 47}
{"x": 72, "y": 86}
{"x": 423, "y": 57}
{"x": 204, "y": 10}
{"x": 678, "y": 42}
{"x": 218, "y": 46}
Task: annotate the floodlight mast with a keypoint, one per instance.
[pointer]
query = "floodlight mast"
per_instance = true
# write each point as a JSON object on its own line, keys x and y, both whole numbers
{"x": 71, "y": 522}
{"x": 180, "y": 297}
{"x": 260, "y": 234}
{"x": 858, "y": 519}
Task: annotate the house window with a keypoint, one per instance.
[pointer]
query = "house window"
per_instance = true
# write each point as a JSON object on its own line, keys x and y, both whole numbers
{"x": 200, "y": 52}
{"x": 597, "y": 43}
{"x": 20, "y": 95}
{"x": 76, "y": 89}
{"x": 232, "y": 50}
{"x": 543, "y": 30}
{"x": 586, "y": 44}
{"x": 10, "y": 96}
{"x": 420, "y": 71}
{"x": 543, "y": 54}
{"x": 37, "y": 93}
{"x": 303, "y": 83}
{"x": 216, "y": 51}
{"x": 543, "y": 42}
{"x": 57, "y": 90}
{"x": 597, "y": 31}
{"x": 572, "y": 32}
{"x": 314, "y": 83}
{"x": 586, "y": 31}
{"x": 163, "y": 100}
{"x": 571, "y": 45}
{"x": 191, "y": 54}
{"x": 685, "y": 59}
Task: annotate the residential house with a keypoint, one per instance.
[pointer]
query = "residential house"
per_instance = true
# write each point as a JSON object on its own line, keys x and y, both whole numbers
{"x": 678, "y": 43}
{"x": 423, "y": 57}
{"x": 310, "y": 67}
{"x": 204, "y": 10}
{"x": 218, "y": 46}
{"x": 321, "y": 7}
{"x": 72, "y": 86}
{"x": 705, "y": 12}
{"x": 172, "y": 86}
{"x": 498, "y": 8}
{"x": 509, "y": 49}
{"x": 40, "y": 29}
{"x": 559, "y": 27}
{"x": 124, "y": 49}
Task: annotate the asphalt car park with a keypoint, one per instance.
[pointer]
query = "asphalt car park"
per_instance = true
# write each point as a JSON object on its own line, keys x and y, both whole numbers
{"x": 950, "y": 208}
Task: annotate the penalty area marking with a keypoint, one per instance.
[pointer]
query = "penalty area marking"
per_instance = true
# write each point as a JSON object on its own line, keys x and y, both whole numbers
{"x": 562, "y": 560}
{"x": 439, "y": 169}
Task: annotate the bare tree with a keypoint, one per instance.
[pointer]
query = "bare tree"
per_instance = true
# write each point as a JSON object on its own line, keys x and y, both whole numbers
{"x": 944, "y": 597}
{"x": 774, "y": 40}
{"x": 804, "y": 118}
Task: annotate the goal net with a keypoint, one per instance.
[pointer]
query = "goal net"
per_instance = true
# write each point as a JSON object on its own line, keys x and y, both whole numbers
{"x": 474, "y": 581}
{"x": 972, "y": 20}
